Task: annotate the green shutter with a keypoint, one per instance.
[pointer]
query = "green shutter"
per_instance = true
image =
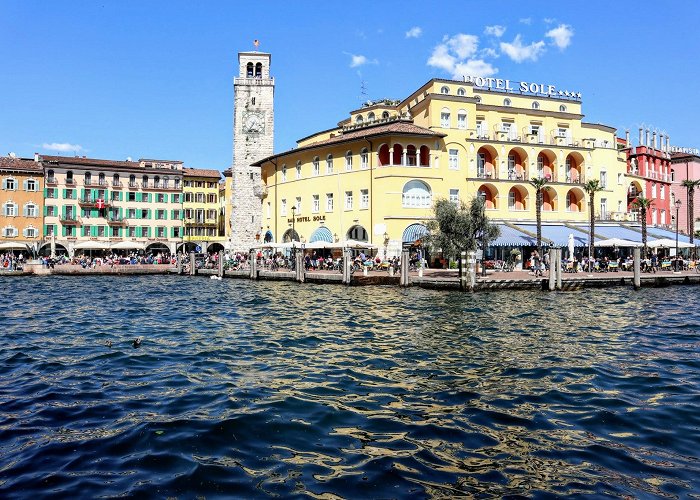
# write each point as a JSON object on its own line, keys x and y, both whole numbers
{"x": 63, "y": 212}
{"x": 46, "y": 229}
{"x": 63, "y": 230}
{"x": 46, "y": 190}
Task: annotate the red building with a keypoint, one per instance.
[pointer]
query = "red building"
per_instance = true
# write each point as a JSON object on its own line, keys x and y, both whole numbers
{"x": 649, "y": 174}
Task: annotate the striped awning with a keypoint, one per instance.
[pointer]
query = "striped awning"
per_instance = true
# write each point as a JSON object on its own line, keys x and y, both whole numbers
{"x": 558, "y": 234}
{"x": 413, "y": 233}
{"x": 511, "y": 237}
{"x": 321, "y": 234}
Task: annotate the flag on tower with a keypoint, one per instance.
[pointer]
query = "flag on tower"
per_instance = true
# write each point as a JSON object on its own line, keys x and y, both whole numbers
{"x": 256, "y": 43}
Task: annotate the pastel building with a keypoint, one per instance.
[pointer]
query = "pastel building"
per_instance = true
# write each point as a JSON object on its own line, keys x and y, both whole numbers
{"x": 685, "y": 165}
{"x": 22, "y": 204}
{"x": 201, "y": 191}
{"x": 374, "y": 176}
{"x": 93, "y": 204}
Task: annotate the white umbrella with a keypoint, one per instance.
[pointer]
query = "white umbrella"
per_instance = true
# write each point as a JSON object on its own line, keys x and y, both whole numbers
{"x": 668, "y": 243}
{"x": 617, "y": 242}
{"x": 11, "y": 245}
{"x": 320, "y": 244}
{"x": 571, "y": 245}
{"x": 355, "y": 244}
{"x": 92, "y": 245}
{"x": 128, "y": 245}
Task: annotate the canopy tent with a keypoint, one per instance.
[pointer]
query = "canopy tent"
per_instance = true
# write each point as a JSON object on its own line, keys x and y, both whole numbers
{"x": 668, "y": 243}
{"x": 354, "y": 244}
{"x": 92, "y": 245}
{"x": 128, "y": 245}
{"x": 13, "y": 245}
{"x": 616, "y": 242}
{"x": 413, "y": 233}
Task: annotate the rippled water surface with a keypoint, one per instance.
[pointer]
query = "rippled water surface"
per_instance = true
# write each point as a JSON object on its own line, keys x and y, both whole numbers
{"x": 244, "y": 389}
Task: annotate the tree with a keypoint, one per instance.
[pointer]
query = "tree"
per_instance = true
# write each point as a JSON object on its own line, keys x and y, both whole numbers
{"x": 456, "y": 228}
{"x": 592, "y": 187}
{"x": 690, "y": 186}
{"x": 643, "y": 205}
{"x": 539, "y": 184}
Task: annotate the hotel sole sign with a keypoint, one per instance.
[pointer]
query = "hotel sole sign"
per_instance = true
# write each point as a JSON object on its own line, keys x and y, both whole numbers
{"x": 536, "y": 89}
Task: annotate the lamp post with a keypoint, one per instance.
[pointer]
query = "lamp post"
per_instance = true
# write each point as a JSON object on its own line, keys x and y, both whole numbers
{"x": 678, "y": 206}
{"x": 294, "y": 210}
{"x": 482, "y": 195}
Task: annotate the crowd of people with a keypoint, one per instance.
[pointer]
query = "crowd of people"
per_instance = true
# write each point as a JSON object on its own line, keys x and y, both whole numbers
{"x": 12, "y": 262}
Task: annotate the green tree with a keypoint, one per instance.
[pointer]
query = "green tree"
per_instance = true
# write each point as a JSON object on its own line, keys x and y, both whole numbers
{"x": 459, "y": 227}
{"x": 539, "y": 184}
{"x": 690, "y": 186}
{"x": 592, "y": 187}
{"x": 643, "y": 204}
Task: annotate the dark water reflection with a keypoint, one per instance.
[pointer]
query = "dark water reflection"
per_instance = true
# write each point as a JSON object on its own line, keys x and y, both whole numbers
{"x": 250, "y": 389}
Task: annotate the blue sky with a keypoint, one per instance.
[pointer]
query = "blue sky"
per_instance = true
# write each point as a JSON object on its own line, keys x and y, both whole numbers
{"x": 153, "y": 79}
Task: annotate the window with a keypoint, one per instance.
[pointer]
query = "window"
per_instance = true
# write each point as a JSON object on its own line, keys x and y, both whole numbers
{"x": 603, "y": 208}
{"x": 144, "y": 181}
{"x": 131, "y": 232}
{"x": 269, "y": 210}
{"x": 370, "y": 116}
{"x": 31, "y": 210}
{"x": 462, "y": 120}
{"x": 283, "y": 207}
{"x": 50, "y": 210}
{"x": 480, "y": 128}
{"x": 144, "y": 214}
{"x": 31, "y": 185}
{"x": 385, "y": 115}
{"x": 535, "y": 105}
{"x": 445, "y": 119}
{"x": 199, "y": 197}
{"x": 445, "y": 90}
{"x": 348, "y": 200}
{"x": 298, "y": 204}
{"x": 131, "y": 213}
{"x": 329, "y": 202}
{"x": 364, "y": 159}
{"x": 10, "y": 184}
{"x": 364, "y": 198}
{"x": 160, "y": 198}
{"x": 461, "y": 91}
{"x": 9, "y": 232}
{"x": 480, "y": 164}
{"x": 298, "y": 170}
{"x": 211, "y": 198}
{"x": 188, "y": 197}
{"x": 9, "y": 209}
{"x": 160, "y": 214}
{"x": 653, "y": 186}
{"x": 87, "y": 178}
{"x": 177, "y": 183}
{"x": 562, "y": 108}
{"x": 211, "y": 214}
{"x": 358, "y": 119}
{"x": 145, "y": 231}
{"x": 101, "y": 179}
{"x": 603, "y": 179}
{"x": 101, "y": 231}
{"x": 416, "y": 194}
{"x": 284, "y": 173}
{"x": 507, "y": 102}
{"x": 31, "y": 232}
{"x": 315, "y": 203}
{"x": 348, "y": 161}
{"x": 160, "y": 232}
{"x": 454, "y": 196}
{"x": 176, "y": 198}
{"x": 511, "y": 200}
{"x": 507, "y": 127}
{"x": 453, "y": 159}
{"x": 132, "y": 181}
{"x": 662, "y": 192}
{"x": 329, "y": 164}
{"x": 52, "y": 193}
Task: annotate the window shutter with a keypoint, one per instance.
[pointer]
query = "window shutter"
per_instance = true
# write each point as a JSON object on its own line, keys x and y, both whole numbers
{"x": 25, "y": 210}
{"x": 25, "y": 185}
{"x": 63, "y": 230}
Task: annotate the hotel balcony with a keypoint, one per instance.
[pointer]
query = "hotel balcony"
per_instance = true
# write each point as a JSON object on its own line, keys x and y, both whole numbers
{"x": 115, "y": 220}
{"x": 70, "y": 182}
{"x": 618, "y": 216}
{"x": 51, "y": 181}
{"x": 91, "y": 202}
{"x": 68, "y": 219}
{"x": 117, "y": 184}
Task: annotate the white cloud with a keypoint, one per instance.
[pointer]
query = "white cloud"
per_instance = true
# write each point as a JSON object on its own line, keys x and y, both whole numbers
{"x": 519, "y": 52}
{"x": 442, "y": 59}
{"x": 360, "y": 60}
{"x": 495, "y": 30}
{"x": 463, "y": 45}
{"x": 414, "y": 32}
{"x": 549, "y": 20}
{"x": 63, "y": 147}
{"x": 474, "y": 67}
{"x": 525, "y": 20}
{"x": 561, "y": 35}
{"x": 489, "y": 52}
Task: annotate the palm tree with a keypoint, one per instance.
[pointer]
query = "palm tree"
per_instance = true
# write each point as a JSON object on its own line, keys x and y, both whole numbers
{"x": 592, "y": 187}
{"x": 690, "y": 185}
{"x": 643, "y": 205}
{"x": 539, "y": 184}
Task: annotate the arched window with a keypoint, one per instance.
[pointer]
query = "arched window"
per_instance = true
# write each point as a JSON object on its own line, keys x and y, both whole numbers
{"x": 535, "y": 105}
{"x": 101, "y": 179}
{"x": 69, "y": 176}
{"x": 115, "y": 180}
{"x": 258, "y": 70}
{"x": 370, "y": 116}
{"x": 358, "y": 119}
{"x": 364, "y": 159}
{"x": 329, "y": 164}
{"x": 249, "y": 70}
{"x": 298, "y": 168}
{"x": 284, "y": 173}
{"x": 166, "y": 182}
{"x": 87, "y": 178}
{"x": 156, "y": 181}
{"x": 461, "y": 119}
{"x": 445, "y": 90}
{"x": 145, "y": 181}
{"x": 132, "y": 181}
{"x": 384, "y": 157}
{"x": 51, "y": 177}
{"x": 507, "y": 102}
{"x": 385, "y": 115}
{"x": 445, "y": 118}
{"x": 461, "y": 91}
{"x": 562, "y": 108}
{"x": 416, "y": 194}
{"x": 316, "y": 165}
{"x": 348, "y": 161}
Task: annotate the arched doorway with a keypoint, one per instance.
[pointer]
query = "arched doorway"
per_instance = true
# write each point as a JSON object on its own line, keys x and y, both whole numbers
{"x": 485, "y": 162}
{"x": 413, "y": 234}
{"x": 357, "y": 233}
{"x": 268, "y": 237}
{"x": 321, "y": 234}
{"x": 574, "y": 168}
{"x": 383, "y": 155}
{"x": 574, "y": 200}
{"x": 517, "y": 164}
{"x": 290, "y": 235}
{"x": 158, "y": 248}
{"x": 215, "y": 247}
{"x": 187, "y": 247}
{"x": 45, "y": 250}
{"x": 545, "y": 166}
{"x": 517, "y": 198}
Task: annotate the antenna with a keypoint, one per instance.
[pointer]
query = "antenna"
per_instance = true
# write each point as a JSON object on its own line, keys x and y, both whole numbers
{"x": 363, "y": 91}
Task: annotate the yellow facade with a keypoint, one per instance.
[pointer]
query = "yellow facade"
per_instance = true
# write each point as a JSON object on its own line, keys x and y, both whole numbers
{"x": 449, "y": 139}
{"x": 22, "y": 203}
{"x": 201, "y": 206}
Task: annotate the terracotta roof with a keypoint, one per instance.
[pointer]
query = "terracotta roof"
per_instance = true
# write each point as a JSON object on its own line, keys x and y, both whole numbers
{"x": 77, "y": 160}
{"x": 398, "y": 127}
{"x": 201, "y": 172}
{"x": 7, "y": 162}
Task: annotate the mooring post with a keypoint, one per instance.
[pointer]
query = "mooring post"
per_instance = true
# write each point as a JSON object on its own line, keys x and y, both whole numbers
{"x": 552, "y": 272}
{"x": 471, "y": 269}
{"x": 403, "y": 281}
{"x": 558, "y": 268}
{"x": 179, "y": 264}
{"x": 463, "y": 271}
{"x": 253, "y": 262}
{"x": 637, "y": 268}
{"x": 300, "y": 267}
{"x": 193, "y": 264}
{"x": 220, "y": 271}
{"x": 346, "y": 266}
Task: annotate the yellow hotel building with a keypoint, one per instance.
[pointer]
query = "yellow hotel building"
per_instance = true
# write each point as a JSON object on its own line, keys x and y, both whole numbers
{"x": 201, "y": 207}
{"x": 375, "y": 176}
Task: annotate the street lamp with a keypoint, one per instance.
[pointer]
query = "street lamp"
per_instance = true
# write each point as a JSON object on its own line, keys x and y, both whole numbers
{"x": 678, "y": 206}
{"x": 386, "y": 243}
{"x": 482, "y": 195}
{"x": 294, "y": 210}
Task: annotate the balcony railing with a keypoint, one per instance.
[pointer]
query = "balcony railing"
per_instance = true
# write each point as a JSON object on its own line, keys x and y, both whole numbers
{"x": 116, "y": 184}
{"x": 70, "y": 181}
{"x": 87, "y": 182}
{"x": 51, "y": 181}
{"x": 87, "y": 201}
{"x": 115, "y": 220}
{"x": 68, "y": 219}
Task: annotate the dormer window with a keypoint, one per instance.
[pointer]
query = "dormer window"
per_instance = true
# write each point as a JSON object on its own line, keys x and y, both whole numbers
{"x": 445, "y": 90}
{"x": 358, "y": 119}
{"x": 385, "y": 115}
{"x": 370, "y": 117}
{"x": 562, "y": 108}
{"x": 535, "y": 105}
{"x": 507, "y": 102}
{"x": 461, "y": 91}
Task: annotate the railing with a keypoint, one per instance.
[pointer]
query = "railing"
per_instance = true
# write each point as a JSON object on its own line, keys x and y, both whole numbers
{"x": 618, "y": 216}
{"x": 116, "y": 184}
{"x": 51, "y": 181}
{"x": 68, "y": 219}
{"x": 116, "y": 220}
{"x": 133, "y": 184}
{"x": 70, "y": 182}
{"x": 87, "y": 182}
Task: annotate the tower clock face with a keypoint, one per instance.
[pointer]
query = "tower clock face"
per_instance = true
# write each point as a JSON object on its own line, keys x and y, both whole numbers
{"x": 254, "y": 122}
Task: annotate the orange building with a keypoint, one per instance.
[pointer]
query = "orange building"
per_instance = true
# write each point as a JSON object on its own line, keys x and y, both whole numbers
{"x": 22, "y": 202}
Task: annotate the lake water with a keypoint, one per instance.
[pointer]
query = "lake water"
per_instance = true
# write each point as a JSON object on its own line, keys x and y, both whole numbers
{"x": 244, "y": 389}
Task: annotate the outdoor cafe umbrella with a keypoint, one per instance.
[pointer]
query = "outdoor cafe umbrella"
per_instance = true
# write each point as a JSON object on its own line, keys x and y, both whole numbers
{"x": 617, "y": 242}
{"x": 668, "y": 243}
{"x": 571, "y": 245}
{"x": 12, "y": 245}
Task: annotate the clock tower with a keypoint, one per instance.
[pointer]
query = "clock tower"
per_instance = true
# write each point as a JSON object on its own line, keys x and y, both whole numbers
{"x": 253, "y": 134}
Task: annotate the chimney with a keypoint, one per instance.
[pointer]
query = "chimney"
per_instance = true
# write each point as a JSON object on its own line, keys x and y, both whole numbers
{"x": 668, "y": 144}
{"x": 640, "y": 136}
{"x": 653, "y": 139}
{"x": 627, "y": 138}
{"x": 646, "y": 138}
{"x": 36, "y": 157}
